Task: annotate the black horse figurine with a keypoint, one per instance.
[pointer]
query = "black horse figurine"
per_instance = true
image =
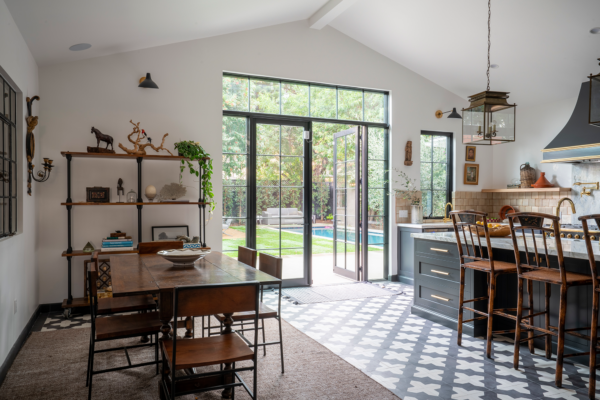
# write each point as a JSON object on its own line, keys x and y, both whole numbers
{"x": 101, "y": 137}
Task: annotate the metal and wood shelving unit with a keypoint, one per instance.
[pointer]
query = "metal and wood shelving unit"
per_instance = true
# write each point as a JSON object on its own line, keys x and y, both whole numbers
{"x": 71, "y": 302}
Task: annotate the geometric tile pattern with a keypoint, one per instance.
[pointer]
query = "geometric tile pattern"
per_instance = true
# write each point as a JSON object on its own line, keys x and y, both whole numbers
{"x": 415, "y": 358}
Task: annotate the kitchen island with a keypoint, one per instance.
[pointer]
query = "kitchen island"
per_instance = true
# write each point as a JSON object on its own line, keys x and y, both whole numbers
{"x": 437, "y": 276}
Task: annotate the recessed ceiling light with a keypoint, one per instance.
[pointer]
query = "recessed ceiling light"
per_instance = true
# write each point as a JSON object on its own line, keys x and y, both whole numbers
{"x": 595, "y": 31}
{"x": 80, "y": 46}
{"x": 494, "y": 66}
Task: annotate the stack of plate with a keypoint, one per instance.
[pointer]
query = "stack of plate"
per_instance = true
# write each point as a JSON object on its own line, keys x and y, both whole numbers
{"x": 180, "y": 257}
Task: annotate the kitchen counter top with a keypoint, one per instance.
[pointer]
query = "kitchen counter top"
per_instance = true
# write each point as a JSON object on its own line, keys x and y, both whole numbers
{"x": 427, "y": 225}
{"x": 572, "y": 248}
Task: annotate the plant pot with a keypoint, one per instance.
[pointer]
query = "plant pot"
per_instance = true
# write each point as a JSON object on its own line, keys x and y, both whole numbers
{"x": 416, "y": 214}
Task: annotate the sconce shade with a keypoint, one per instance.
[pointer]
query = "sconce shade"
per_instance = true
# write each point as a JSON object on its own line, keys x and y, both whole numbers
{"x": 148, "y": 83}
{"x": 454, "y": 114}
{"x": 489, "y": 119}
{"x": 595, "y": 99}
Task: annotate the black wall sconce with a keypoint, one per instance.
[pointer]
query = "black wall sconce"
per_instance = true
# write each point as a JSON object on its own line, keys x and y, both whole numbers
{"x": 30, "y": 149}
{"x": 147, "y": 82}
{"x": 453, "y": 114}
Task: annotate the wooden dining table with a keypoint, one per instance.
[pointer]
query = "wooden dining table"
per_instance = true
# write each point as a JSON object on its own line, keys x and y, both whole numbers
{"x": 135, "y": 274}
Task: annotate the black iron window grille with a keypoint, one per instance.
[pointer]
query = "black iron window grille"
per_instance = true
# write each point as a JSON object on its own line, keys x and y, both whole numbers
{"x": 8, "y": 159}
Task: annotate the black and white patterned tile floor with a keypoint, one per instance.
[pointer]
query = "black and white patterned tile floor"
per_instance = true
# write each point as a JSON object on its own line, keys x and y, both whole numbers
{"x": 415, "y": 358}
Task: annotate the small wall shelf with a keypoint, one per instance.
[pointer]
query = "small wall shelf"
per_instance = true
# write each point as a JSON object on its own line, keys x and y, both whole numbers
{"x": 552, "y": 189}
{"x": 158, "y": 203}
{"x": 75, "y": 154}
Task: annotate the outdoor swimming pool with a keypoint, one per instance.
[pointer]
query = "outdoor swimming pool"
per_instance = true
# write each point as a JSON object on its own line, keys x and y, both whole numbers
{"x": 375, "y": 238}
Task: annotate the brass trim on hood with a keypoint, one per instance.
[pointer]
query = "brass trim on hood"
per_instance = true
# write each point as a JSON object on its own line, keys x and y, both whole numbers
{"x": 570, "y": 159}
{"x": 581, "y": 146}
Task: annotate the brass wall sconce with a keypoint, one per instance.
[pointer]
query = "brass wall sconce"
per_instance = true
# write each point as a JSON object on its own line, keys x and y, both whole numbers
{"x": 453, "y": 114}
{"x": 587, "y": 191}
{"x": 30, "y": 150}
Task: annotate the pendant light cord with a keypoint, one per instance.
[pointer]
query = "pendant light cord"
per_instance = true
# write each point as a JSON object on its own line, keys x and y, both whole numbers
{"x": 489, "y": 42}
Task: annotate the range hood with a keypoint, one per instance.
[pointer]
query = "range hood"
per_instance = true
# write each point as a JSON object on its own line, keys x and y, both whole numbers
{"x": 578, "y": 142}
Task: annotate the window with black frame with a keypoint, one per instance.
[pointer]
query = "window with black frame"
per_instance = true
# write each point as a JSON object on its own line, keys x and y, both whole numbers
{"x": 436, "y": 172}
{"x": 8, "y": 160}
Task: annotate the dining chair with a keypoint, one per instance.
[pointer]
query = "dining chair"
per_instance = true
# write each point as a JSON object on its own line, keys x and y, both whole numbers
{"x": 476, "y": 260}
{"x": 227, "y": 348}
{"x": 273, "y": 266}
{"x": 116, "y": 305}
{"x": 593, "y": 338}
{"x": 117, "y": 327}
{"x": 537, "y": 268}
{"x": 155, "y": 247}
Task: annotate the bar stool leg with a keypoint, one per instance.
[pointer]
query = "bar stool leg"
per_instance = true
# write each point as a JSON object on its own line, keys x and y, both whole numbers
{"x": 593, "y": 344}
{"x": 461, "y": 298}
{"x": 560, "y": 349}
{"x": 518, "y": 324}
{"x": 548, "y": 344}
{"x": 491, "y": 296}
{"x": 531, "y": 333}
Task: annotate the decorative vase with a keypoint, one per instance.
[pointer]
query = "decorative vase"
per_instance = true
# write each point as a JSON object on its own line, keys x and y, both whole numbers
{"x": 416, "y": 214}
{"x": 150, "y": 193}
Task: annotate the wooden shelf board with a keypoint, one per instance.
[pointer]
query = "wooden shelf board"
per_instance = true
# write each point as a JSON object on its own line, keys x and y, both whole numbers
{"x": 553, "y": 189}
{"x": 75, "y": 154}
{"x": 158, "y": 203}
{"x": 77, "y": 302}
{"x": 79, "y": 253}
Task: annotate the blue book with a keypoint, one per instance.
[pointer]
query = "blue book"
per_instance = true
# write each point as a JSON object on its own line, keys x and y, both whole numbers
{"x": 119, "y": 244}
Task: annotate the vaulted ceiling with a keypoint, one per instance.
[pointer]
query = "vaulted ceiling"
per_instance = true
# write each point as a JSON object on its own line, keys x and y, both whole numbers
{"x": 543, "y": 47}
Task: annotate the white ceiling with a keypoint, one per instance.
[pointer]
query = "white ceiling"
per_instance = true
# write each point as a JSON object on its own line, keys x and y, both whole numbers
{"x": 543, "y": 47}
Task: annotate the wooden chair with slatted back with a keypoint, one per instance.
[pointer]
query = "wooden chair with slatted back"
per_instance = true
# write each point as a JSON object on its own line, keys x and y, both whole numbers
{"x": 247, "y": 256}
{"x": 537, "y": 267}
{"x": 117, "y": 327}
{"x": 273, "y": 266}
{"x": 227, "y": 348}
{"x": 464, "y": 222}
{"x": 595, "y": 300}
{"x": 155, "y": 247}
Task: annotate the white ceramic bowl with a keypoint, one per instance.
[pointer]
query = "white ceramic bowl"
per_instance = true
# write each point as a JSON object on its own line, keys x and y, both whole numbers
{"x": 183, "y": 256}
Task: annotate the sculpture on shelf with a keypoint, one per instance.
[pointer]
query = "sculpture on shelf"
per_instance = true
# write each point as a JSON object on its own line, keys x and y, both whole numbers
{"x": 101, "y": 137}
{"x": 140, "y": 149}
{"x": 408, "y": 153}
{"x": 120, "y": 189}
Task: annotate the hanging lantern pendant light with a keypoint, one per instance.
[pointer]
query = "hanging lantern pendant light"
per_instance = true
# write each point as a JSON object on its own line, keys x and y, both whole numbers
{"x": 489, "y": 119}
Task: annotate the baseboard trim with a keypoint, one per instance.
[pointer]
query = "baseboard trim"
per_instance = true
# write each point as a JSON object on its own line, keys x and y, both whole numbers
{"x": 14, "y": 351}
{"x": 393, "y": 278}
{"x": 406, "y": 279}
{"x": 50, "y": 307}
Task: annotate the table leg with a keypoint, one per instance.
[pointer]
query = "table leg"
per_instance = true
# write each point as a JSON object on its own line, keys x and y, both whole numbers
{"x": 189, "y": 325}
{"x": 227, "y": 322}
{"x": 145, "y": 338}
{"x": 166, "y": 312}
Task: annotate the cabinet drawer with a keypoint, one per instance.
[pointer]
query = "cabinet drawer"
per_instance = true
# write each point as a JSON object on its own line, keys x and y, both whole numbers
{"x": 447, "y": 298}
{"x": 430, "y": 268}
{"x": 442, "y": 250}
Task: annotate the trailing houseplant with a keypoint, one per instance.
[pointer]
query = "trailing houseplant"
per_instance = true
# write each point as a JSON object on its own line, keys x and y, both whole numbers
{"x": 192, "y": 151}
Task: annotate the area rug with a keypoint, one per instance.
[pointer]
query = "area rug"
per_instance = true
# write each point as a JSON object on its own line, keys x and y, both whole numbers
{"x": 52, "y": 365}
{"x": 323, "y": 294}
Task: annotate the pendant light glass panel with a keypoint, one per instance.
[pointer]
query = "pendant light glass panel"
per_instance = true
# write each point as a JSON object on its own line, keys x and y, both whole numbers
{"x": 489, "y": 124}
{"x": 595, "y": 100}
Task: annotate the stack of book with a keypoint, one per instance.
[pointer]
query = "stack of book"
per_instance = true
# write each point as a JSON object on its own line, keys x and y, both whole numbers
{"x": 117, "y": 242}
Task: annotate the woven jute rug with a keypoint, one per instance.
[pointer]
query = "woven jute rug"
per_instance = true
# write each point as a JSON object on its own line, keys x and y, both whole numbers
{"x": 52, "y": 365}
{"x": 323, "y": 294}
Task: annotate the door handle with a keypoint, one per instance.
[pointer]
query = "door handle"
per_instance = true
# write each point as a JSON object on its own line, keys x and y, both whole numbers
{"x": 439, "y": 297}
{"x": 439, "y": 272}
{"x": 440, "y": 250}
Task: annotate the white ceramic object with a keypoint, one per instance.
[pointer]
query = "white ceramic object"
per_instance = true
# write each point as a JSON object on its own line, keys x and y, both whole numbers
{"x": 183, "y": 257}
{"x": 150, "y": 192}
{"x": 416, "y": 214}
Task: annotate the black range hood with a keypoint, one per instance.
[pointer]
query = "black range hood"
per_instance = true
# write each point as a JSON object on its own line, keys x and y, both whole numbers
{"x": 578, "y": 142}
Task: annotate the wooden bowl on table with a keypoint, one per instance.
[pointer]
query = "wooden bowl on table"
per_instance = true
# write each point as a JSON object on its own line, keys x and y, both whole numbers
{"x": 498, "y": 231}
{"x": 183, "y": 257}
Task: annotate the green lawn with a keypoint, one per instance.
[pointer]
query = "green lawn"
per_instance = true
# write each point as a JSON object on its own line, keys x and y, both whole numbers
{"x": 269, "y": 238}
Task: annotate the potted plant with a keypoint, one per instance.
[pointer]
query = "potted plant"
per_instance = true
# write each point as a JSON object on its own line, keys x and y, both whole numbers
{"x": 410, "y": 192}
{"x": 192, "y": 151}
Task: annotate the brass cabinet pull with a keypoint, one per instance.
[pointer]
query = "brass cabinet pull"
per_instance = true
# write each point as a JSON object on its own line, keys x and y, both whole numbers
{"x": 440, "y": 250}
{"x": 439, "y": 297}
{"x": 439, "y": 272}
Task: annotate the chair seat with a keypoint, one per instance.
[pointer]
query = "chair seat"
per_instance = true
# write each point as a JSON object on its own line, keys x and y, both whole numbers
{"x": 499, "y": 266}
{"x": 112, "y": 305}
{"x": 211, "y": 350}
{"x": 553, "y": 276}
{"x": 119, "y": 326}
{"x": 263, "y": 313}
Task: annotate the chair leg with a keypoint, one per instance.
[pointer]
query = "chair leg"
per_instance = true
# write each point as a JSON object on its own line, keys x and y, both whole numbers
{"x": 262, "y": 323}
{"x": 91, "y": 371}
{"x": 281, "y": 344}
{"x": 87, "y": 376}
{"x": 531, "y": 333}
{"x": 560, "y": 347}
{"x": 548, "y": 339}
{"x": 156, "y": 351}
{"x": 491, "y": 296}
{"x": 461, "y": 298}
{"x": 518, "y": 323}
{"x": 593, "y": 344}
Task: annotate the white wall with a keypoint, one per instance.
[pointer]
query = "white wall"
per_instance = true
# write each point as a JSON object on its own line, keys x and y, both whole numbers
{"x": 536, "y": 127}
{"x": 18, "y": 270}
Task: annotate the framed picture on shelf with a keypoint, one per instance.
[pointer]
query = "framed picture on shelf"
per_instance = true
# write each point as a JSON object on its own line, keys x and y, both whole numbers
{"x": 471, "y": 174}
{"x": 160, "y": 233}
{"x": 471, "y": 153}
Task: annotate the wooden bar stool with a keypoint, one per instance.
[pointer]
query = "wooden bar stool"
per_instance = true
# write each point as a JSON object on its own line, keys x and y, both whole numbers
{"x": 595, "y": 299}
{"x": 465, "y": 221}
{"x": 538, "y": 269}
